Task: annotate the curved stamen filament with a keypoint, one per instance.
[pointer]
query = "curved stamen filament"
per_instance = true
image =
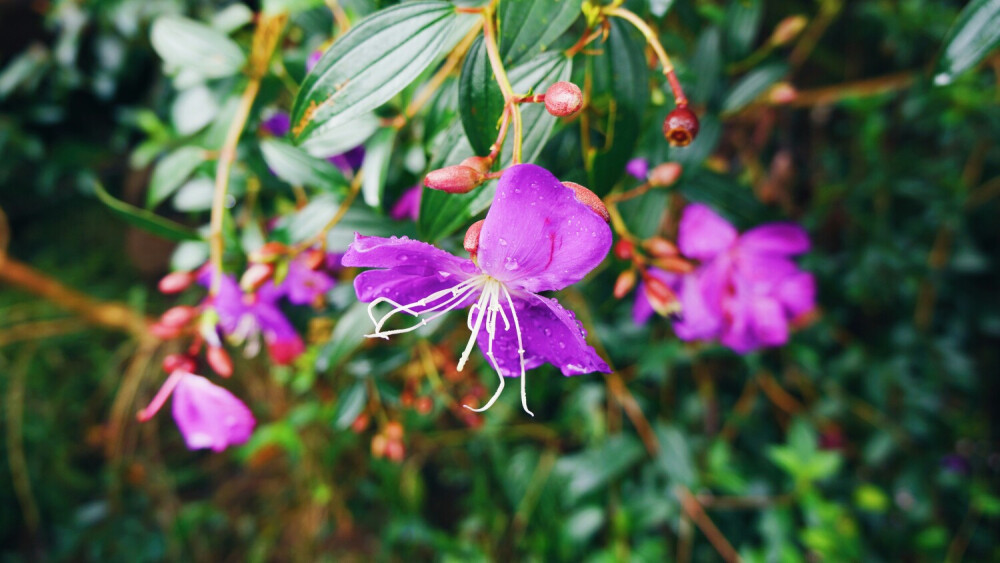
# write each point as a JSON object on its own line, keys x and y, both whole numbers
{"x": 458, "y": 294}
{"x": 520, "y": 352}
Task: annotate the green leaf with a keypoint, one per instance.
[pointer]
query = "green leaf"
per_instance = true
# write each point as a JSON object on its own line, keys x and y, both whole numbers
{"x": 440, "y": 213}
{"x": 594, "y": 467}
{"x": 331, "y": 142}
{"x": 350, "y": 405}
{"x": 529, "y": 26}
{"x": 675, "y": 456}
{"x": 195, "y": 196}
{"x": 378, "y": 150}
{"x": 620, "y": 97}
{"x": 974, "y": 34}
{"x": 309, "y": 220}
{"x": 752, "y": 86}
{"x": 370, "y": 64}
{"x": 480, "y": 100}
{"x": 171, "y": 172}
{"x": 659, "y": 8}
{"x": 742, "y": 23}
{"x": 298, "y": 168}
{"x": 188, "y": 45}
{"x": 145, "y": 219}
{"x": 347, "y": 336}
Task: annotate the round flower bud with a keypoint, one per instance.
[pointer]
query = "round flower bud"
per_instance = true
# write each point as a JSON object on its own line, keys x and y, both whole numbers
{"x": 681, "y": 126}
{"x": 164, "y": 332}
{"x": 674, "y": 264}
{"x": 219, "y": 360}
{"x": 395, "y": 451}
{"x": 782, "y": 93}
{"x": 175, "y": 282}
{"x": 269, "y": 252}
{"x": 175, "y": 362}
{"x": 256, "y": 275}
{"x": 471, "y": 242}
{"x": 424, "y": 405}
{"x": 660, "y": 247}
{"x": 788, "y": 29}
{"x": 481, "y": 164}
{"x": 590, "y": 199}
{"x": 661, "y": 297}
{"x": 178, "y": 317}
{"x": 563, "y": 99}
{"x": 378, "y": 445}
{"x": 457, "y": 179}
{"x": 665, "y": 174}
{"x": 314, "y": 258}
{"x": 360, "y": 423}
{"x": 624, "y": 250}
{"x": 624, "y": 283}
{"x": 393, "y": 430}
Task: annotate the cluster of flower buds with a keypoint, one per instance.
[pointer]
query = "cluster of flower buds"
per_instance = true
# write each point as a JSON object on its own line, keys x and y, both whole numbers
{"x": 655, "y": 254}
{"x": 388, "y": 443}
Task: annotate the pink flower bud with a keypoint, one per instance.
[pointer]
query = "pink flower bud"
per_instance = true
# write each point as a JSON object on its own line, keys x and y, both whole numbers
{"x": 563, "y": 99}
{"x": 674, "y": 264}
{"x": 395, "y": 451}
{"x": 457, "y": 179}
{"x": 481, "y": 164}
{"x": 269, "y": 252}
{"x": 175, "y": 362}
{"x": 255, "y": 276}
{"x": 314, "y": 258}
{"x": 219, "y": 360}
{"x": 393, "y": 431}
{"x": 178, "y": 317}
{"x": 590, "y": 199}
{"x": 660, "y": 247}
{"x": 624, "y": 283}
{"x": 624, "y": 249}
{"x": 661, "y": 297}
{"x": 665, "y": 174}
{"x": 782, "y": 93}
{"x": 471, "y": 242}
{"x": 164, "y": 332}
{"x": 681, "y": 126}
{"x": 175, "y": 282}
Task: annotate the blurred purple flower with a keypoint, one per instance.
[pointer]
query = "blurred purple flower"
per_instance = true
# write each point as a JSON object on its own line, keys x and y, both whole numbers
{"x": 955, "y": 463}
{"x": 207, "y": 415}
{"x": 349, "y": 162}
{"x": 638, "y": 168}
{"x": 278, "y": 124}
{"x": 303, "y": 285}
{"x": 408, "y": 205}
{"x": 746, "y": 289}
{"x": 536, "y": 237}
{"x": 313, "y": 59}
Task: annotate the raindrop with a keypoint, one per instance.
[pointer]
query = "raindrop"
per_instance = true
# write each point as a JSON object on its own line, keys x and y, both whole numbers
{"x": 511, "y": 264}
{"x": 503, "y": 242}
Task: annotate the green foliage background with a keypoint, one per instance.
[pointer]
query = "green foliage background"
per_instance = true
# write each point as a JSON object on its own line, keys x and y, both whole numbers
{"x": 871, "y": 436}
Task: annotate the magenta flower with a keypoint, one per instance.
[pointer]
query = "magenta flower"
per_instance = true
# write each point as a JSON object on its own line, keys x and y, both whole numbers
{"x": 746, "y": 289}
{"x": 303, "y": 285}
{"x": 278, "y": 124}
{"x": 246, "y": 317}
{"x": 207, "y": 415}
{"x": 638, "y": 168}
{"x": 408, "y": 205}
{"x": 536, "y": 237}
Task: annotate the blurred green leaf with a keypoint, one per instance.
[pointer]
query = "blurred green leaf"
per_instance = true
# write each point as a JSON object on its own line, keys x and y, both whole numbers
{"x": 378, "y": 151}
{"x": 350, "y": 404}
{"x": 752, "y": 86}
{"x": 171, "y": 171}
{"x": 189, "y": 45}
{"x": 530, "y": 26}
{"x": 298, "y": 168}
{"x": 974, "y": 34}
{"x": 145, "y": 219}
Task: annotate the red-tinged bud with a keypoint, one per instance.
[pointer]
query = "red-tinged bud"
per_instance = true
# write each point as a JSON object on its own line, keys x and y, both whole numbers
{"x": 590, "y": 199}
{"x": 393, "y": 431}
{"x": 665, "y": 174}
{"x": 406, "y": 398}
{"x": 681, "y": 126}
{"x": 219, "y": 361}
{"x": 471, "y": 242}
{"x": 424, "y": 405}
{"x": 674, "y": 264}
{"x": 782, "y": 93}
{"x": 787, "y": 30}
{"x": 314, "y": 258}
{"x": 480, "y": 164}
{"x": 269, "y": 252}
{"x": 164, "y": 332}
{"x": 176, "y": 282}
{"x": 175, "y": 362}
{"x": 178, "y": 317}
{"x": 284, "y": 352}
{"x": 661, "y": 297}
{"x": 624, "y": 283}
{"x": 624, "y": 249}
{"x": 457, "y": 179}
{"x": 563, "y": 99}
{"x": 378, "y": 445}
{"x": 660, "y": 247}
{"x": 256, "y": 275}
{"x": 360, "y": 423}
{"x": 395, "y": 451}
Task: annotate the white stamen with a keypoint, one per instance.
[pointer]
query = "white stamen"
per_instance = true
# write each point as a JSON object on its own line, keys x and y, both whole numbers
{"x": 520, "y": 352}
{"x": 458, "y": 294}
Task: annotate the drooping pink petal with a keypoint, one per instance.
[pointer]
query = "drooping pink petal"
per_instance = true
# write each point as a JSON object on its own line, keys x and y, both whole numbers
{"x": 549, "y": 333}
{"x": 537, "y": 236}
{"x": 775, "y": 238}
{"x": 408, "y": 205}
{"x": 697, "y": 320}
{"x": 209, "y": 416}
{"x": 797, "y": 293}
{"x": 703, "y": 234}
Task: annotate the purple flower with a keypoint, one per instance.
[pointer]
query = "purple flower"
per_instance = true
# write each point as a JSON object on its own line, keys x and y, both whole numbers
{"x": 408, "y": 205}
{"x": 207, "y": 415}
{"x": 536, "y": 237}
{"x": 349, "y": 162}
{"x": 638, "y": 168}
{"x": 245, "y": 317}
{"x": 303, "y": 285}
{"x": 278, "y": 124}
{"x": 746, "y": 289}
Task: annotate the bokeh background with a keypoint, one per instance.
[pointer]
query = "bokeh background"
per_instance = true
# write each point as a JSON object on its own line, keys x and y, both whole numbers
{"x": 870, "y": 436}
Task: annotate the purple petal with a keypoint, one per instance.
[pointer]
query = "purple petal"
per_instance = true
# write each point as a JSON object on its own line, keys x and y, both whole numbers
{"x": 703, "y": 233}
{"x": 638, "y": 168}
{"x": 380, "y": 252}
{"x": 642, "y": 309}
{"x": 698, "y": 320}
{"x": 278, "y": 124}
{"x": 313, "y": 59}
{"x": 349, "y": 161}
{"x": 209, "y": 416}
{"x": 797, "y": 293}
{"x": 407, "y": 286}
{"x": 775, "y": 238}
{"x": 408, "y": 205}
{"x": 537, "y": 236}
{"x": 549, "y": 334}
{"x": 302, "y": 285}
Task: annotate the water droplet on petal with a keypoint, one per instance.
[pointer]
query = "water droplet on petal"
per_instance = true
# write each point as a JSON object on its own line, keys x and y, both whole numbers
{"x": 511, "y": 264}
{"x": 503, "y": 242}
{"x": 562, "y": 345}
{"x": 548, "y": 332}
